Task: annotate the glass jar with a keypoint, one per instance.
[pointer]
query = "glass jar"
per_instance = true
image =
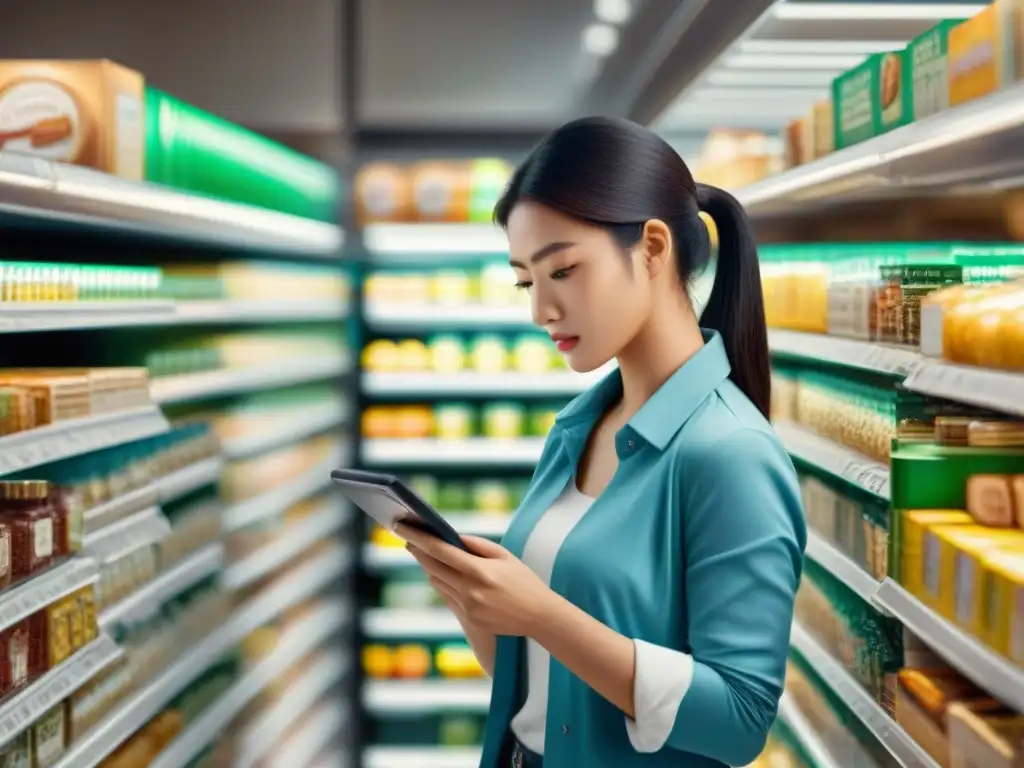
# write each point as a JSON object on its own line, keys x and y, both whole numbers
{"x": 25, "y": 507}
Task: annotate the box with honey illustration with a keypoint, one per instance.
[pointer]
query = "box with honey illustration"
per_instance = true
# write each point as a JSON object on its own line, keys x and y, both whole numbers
{"x": 872, "y": 98}
{"x": 88, "y": 113}
{"x": 985, "y": 52}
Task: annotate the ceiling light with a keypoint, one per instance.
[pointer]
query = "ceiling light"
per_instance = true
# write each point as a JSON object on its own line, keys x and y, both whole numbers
{"x": 705, "y": 95}
{"x": 772, "y": 78}
{"x": 600, "y": 39}
{"x": 839, "y": 11}
{"x": 819, "y": 47}
{"x": 781, "y": 61}
{"x": 613, "y": 11}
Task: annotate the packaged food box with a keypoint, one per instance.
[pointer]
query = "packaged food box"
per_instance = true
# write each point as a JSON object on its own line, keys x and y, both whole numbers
{"x": 87, "y": 113}
{"x": 984, "y": 52}
{"x": 990, "y": 739}
{"x": 872, "y": 98}
{"x": 929, "y": 65}
{"x": 1005, "y": 571}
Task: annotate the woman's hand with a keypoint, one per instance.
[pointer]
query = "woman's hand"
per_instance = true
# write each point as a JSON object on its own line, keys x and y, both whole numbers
{"x": 491, "y": 588}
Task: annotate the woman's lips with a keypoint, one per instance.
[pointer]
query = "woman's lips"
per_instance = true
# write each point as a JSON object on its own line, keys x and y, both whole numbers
{"x": 567, "y": 344}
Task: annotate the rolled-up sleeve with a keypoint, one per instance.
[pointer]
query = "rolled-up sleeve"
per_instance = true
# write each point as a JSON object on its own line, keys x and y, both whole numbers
{"x": 743, "y": 542}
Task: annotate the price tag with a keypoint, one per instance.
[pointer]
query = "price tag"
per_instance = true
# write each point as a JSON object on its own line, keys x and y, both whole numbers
{"x": 898, "y": 362}
{"x": 871, "y": 477}
{"x": 34, "y": 595}
{"x": 997, "y": 390}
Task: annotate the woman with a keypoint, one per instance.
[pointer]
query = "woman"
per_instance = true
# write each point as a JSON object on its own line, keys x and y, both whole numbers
{"x": 638, "y": 610}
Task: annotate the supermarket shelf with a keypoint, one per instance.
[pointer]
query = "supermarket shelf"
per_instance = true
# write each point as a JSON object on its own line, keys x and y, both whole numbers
{"x": 841, "y": 566}
{"x": 478, "y": 384}
{"x": 907, "y": 752}
{"x": 139, "y": 708}
{"x": 35, "y": 447}
{"x": 319, "y": 730}
{"x": 995, "y": 674}
{"x": 803, "y": 731}
{"x": 235, "y": 381}
{"x": 258, "y": 311}
{"x": 422, "y": 624}
{"x": 280, "y": 499}
{"x": 421, "y": 452}
{"x": 23, "y": 708}
{"x": 385, "y": 698}
{"x": 188, "y": 479}
{"x": 147, "y": 526}
{"x": 842, "y": 462}
{"x": 421, "y": 757}
{"x": 966, "y": 142}
{"x": 311, "y": 421}
{"x": 449, "y": 240}
{"x": 120, "y": 507}
{"x": 862, "y": 355}
{"x": 290, "y": 543}
{"x": 177, "y": 579}
{"x": 272, "y": 725}
{"x": 55, "y": 193}
{"x": 395, "y": 318}
{"x": 18, "y": 602}
{"x": 378, "y": 558}
{"x": 982, "y": 387}
{"x": 306, "y": 636}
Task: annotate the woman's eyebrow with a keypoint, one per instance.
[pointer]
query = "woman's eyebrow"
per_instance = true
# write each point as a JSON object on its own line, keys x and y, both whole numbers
{"x": 543, "y": 253}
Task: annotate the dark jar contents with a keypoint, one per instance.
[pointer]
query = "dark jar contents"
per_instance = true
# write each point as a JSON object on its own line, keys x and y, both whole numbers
{"x": 68, "y": 520}
{"x": 25, "y": 507}
{"x": 14, "y": 656}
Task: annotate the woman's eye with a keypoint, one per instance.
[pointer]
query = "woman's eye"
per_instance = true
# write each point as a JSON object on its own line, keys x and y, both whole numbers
{"x": 561, "y": 274}
{"x": 523, "y": 286}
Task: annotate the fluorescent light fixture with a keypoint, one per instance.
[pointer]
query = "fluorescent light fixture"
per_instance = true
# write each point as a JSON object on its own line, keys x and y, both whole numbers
{"x": 708, "y": 95}
{"x": 818, "y": 47}
{"x": 771, "y": 79}
{"x": 839, "y": 11}
{"x": 600, "y": 39}
{"x": 449, "y": 239}
{"x": 615, "y": 12}
{"x": 838, "y": 63}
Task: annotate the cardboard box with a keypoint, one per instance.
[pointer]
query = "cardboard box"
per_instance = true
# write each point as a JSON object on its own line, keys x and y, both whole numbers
{"x": 929, "y": 69}
{"x": 872, "y": 98}
{"x": 985, "y": 51}
{"x": 89, "y": 113}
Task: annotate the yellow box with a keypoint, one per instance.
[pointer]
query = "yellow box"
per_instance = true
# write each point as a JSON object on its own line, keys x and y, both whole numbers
{"x": 984, "y": 52}
{"x": 962, "y": 585}
{"x": 913, "y": 555}
{"x": 1006, "y": 604}
{"x": 89, "y": 113}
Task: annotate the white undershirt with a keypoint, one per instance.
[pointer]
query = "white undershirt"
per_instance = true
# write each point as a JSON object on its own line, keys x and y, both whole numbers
{"x": 662, "y": 675}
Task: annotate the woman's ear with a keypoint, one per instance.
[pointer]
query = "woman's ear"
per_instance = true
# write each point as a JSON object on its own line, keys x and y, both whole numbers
{"x": 656, "y": 246}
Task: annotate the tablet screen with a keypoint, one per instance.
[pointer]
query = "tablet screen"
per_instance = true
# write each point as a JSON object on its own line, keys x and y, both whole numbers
{"x": 379, "y": 503}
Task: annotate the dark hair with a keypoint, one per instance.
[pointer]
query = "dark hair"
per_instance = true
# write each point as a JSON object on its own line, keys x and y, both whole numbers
{"x": 618, "y": 175}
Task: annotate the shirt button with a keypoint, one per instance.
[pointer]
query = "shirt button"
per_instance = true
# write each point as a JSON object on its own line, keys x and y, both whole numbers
{"x": 565, "y": 729}
{"x": 629, "y": 444}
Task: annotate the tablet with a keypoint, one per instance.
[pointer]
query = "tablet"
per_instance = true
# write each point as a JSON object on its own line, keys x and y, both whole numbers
{"x": 388, "y": 500}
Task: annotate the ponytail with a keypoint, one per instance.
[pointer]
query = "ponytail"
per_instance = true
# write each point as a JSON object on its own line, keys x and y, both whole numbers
{"x": 735, "y": 307}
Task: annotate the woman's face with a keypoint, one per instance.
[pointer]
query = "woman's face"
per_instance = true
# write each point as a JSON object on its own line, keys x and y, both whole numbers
{"x": 585, "y": 292}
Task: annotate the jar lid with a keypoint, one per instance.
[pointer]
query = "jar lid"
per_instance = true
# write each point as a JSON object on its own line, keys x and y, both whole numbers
{"x": 24, "y": 490}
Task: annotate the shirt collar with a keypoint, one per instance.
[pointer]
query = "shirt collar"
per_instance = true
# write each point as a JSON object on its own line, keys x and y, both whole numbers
{"x": 668, "y": 409}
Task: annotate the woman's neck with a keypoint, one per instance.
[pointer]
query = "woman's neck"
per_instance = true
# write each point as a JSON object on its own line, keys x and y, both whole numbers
{"x": 657, "y": 352}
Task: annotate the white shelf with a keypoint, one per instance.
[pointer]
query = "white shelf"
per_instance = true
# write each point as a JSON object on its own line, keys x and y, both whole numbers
{"x": 985, "y": 388}
{"x": 993, "y": 673}
{"x": 415, "y": 317}
{"x": 141, "y": 706}
{"x": 966, "y": 142}
{"x": 510, "y": 383}
{"x": 308, "y": 634}
{"x": 258, "y": 311}
{"x": 53, "y": 192}
{"x": 188, "y": 479}
{"x": 311, "y": 421}
{"x": 841, "y": 566}
{"x": 280, "y": 499}
{"x": 522, "y": 452}
{"x": 835, "y": 350}
{"x": 421, "y": 757}
{"x": 273, "y": 724}
{"x": 319, "y": 730}
{"x": 396, "y": 623}
{"x": 434, "y": 239}
{"x": 235, "y": 381}
{"x": 148, "y": 526}
{"x": 385, "y": 698}
{"x": 120, "y": 507}
{"x": 378, "y": 558}
{"x": 887, "y": 731}
{"x": 837, "y": 460}
{"x": 289, "y": 544}
{"x": 180, "y": 577}
{"x": 28, "y": 597}
{"x": 790, "y": 714}
{"x": 22, "y": 709}
{"x": 35, "y": 447}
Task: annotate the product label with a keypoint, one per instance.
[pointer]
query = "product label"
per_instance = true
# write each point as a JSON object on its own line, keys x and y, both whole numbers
{"x": 891, "y": 90}
{"x": 5, "y": 552}
{"x": 50, "y": 738}
{"x": 17, "y": 657}
{"x": 964, "y": 589}
{"x": 128, "y": 137}
{"x": 1017, "y": 626}
{"x": 854, "y": 107}
{"x": 931, "y": 565}
{"x": 40, "y": 118}
{"x": 930, "y": 74}
{"x": 433, "y": 196}
{"x": 42, "y": 538}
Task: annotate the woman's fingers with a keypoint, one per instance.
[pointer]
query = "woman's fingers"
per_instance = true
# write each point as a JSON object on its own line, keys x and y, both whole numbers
{"x": 435, "y": 568}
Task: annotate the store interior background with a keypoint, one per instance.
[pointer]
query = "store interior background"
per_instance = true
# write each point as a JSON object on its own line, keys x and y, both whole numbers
{"x": 222, "y": 606}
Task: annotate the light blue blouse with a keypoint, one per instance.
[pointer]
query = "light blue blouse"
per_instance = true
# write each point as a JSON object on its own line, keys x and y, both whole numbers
{"x": 695, "y": 547}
